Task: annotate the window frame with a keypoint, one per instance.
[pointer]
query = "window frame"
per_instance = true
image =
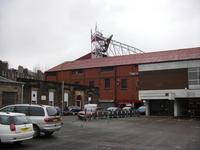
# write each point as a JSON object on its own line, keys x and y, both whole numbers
{"x": 107, "y": 83}
{"x": 107, "y": 69}
{"x": 194, "y": 77}
{"x": 36, "y": 108}
{"x": 27, "y": 109}
{"x": 122, "y": 84}
{"x": 78, "y": 71}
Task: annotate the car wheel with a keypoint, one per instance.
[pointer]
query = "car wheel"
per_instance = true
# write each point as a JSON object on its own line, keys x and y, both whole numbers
{"x": 36, "y": 131}
{"x": 48, "y": 133}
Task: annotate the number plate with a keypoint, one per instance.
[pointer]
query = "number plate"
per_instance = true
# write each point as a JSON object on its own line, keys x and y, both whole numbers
{"x": 24, "y": 129}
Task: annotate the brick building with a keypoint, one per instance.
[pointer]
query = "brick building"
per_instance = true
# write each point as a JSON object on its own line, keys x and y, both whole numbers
{"x": 117, "y": 83}
{"x": 120, "y": 78}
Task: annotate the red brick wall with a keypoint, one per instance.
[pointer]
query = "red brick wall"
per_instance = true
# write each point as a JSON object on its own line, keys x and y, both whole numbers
{"x": 114, "y": 92}
{"x": 131, "y": 93}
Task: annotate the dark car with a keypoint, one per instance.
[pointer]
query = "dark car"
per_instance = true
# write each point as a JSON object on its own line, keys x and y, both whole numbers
{"x": 71, "y": 110}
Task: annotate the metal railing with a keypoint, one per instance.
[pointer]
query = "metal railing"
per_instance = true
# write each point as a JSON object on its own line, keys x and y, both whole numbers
{"x": 112, "y": 114}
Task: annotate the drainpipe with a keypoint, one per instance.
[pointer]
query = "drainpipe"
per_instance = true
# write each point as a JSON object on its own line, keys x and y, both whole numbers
{"x": 116, "y": 84}
{"x": 62, "y": 103}
{"x": 22, "y": 94}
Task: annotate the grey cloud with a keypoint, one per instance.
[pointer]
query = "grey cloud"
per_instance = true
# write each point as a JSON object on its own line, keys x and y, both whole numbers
{"x": 48, "y": 32}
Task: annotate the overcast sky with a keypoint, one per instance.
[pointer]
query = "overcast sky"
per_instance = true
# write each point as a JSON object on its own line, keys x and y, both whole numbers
{"x": 44, "y": 33}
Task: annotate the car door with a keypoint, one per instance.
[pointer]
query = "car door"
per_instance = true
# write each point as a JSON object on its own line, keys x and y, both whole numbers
{"x": 36, "y": 115}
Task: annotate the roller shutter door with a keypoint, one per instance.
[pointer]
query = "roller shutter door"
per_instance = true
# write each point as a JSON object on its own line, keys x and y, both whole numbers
{"x": 9, "y": 98}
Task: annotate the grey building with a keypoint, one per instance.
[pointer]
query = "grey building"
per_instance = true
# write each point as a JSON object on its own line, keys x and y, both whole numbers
{"x": 57, "y": 93}
{"x": 170, "y": 85}
{"x": 10, "y": 92}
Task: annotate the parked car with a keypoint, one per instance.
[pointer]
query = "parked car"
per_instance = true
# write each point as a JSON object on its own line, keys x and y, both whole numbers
{"x": 71, "y": 110}
{"x": 15, "y": 128}
{"x": 45, "y": 119}
{"x": 112, "y": 108}
{"x": 113, "y": 112}
{"x": 90, "y": 111}
{"x": 127, "y": 108}
{"x": 141, "y": 110}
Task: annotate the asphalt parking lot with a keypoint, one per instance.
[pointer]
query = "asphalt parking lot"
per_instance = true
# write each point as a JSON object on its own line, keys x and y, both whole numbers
{"x": 136, "y": 133}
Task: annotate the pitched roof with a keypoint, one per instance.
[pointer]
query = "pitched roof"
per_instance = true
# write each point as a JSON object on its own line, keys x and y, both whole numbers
{"x": 142, "y": 58}
{"x": 87, "y": 56}
{"x": 5, "y": 80}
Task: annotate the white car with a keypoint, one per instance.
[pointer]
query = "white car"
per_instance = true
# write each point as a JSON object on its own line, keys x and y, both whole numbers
{"x": 15, "y": 128}
{"x": 44, "y": 118}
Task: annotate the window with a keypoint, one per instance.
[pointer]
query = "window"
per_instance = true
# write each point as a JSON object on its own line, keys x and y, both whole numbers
{"x": 21, "y": 109}
{"x": 66, "y": 98}
{"x": 194, "y": 77}
{"x": 51, "y": 96}
{"x": 106, "y": 69}
{"x": 91, "y": 83}
{"x": 5, "y": 120}
{"x": 19, "y": 120}
{"x": 51, "y": 111}
{"x": 8, "y": 109}
{"x": 123, "y": 83}
{"x": 36, "y": 111}
{"x": 34, "y": 96}
{"x": 77, "y": 71}
{"x": 107, "y": 83}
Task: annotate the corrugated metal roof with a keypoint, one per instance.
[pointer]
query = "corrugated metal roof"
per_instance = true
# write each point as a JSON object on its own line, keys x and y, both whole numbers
{"x": 142, "y": 58}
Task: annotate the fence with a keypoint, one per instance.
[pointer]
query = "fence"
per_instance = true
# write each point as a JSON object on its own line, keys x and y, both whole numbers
{"x": 112, "y": 114}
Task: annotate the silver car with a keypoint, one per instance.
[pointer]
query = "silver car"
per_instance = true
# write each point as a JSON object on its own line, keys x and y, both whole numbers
{"x": 44, "y": 118}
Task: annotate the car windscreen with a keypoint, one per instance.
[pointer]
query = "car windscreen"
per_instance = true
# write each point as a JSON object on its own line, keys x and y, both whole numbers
{"x": 51, "y": 111}
{"x": 90, "y": 109}
{"x": 19, "y": 120}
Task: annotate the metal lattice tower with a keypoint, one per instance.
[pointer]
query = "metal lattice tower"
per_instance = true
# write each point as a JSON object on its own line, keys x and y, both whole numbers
{"x": 105, "y": 47}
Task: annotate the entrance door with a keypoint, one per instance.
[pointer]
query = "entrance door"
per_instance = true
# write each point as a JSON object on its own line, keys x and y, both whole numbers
{"x": 161, "y": 107}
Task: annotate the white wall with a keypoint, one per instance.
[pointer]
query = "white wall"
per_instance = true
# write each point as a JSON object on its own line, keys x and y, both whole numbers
{"x": 169, "y": 65}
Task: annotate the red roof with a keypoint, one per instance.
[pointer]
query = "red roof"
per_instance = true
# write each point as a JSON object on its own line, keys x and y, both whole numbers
{"x": 144, "y": 58}
{"x": 87, "y": 56}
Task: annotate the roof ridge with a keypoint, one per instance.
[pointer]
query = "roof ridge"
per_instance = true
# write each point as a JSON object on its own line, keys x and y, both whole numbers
{"x": 140, "y": 58}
